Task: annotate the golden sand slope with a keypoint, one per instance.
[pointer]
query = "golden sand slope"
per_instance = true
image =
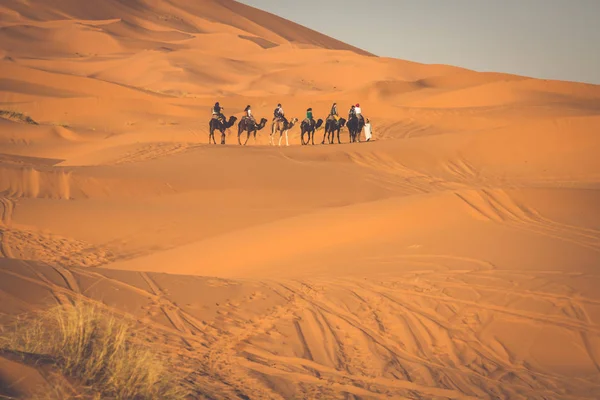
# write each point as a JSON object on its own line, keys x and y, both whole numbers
{"x": 455, "y": 256}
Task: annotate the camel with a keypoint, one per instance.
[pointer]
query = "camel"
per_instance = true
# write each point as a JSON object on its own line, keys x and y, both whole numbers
{"x": 331, "y": 126}
{"x": 309, "y": 126}
{"x": 355, "y": 126}
{"x": 283, "y": 128}
{"x": 246, "y": 124}
{"x": 216, "y": 124}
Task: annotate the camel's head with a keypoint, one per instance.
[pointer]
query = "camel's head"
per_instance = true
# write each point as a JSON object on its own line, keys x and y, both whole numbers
{"x": 231, "y": 121}
{"x": 319, "y": 123}
{"x": 342, "y": 122}
{"x": 262, "y": 124}
{"x": 293, "y": 121}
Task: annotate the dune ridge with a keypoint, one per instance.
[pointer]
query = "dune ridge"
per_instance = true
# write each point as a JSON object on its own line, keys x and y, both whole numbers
{"x": 454, "y": 256}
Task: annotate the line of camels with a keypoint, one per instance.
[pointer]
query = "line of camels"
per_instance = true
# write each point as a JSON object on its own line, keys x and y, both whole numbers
{"x": 354, "y": 125}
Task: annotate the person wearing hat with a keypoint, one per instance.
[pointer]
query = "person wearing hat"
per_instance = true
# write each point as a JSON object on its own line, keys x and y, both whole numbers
{"x": 359, "y": 113}
{"x": 357, "y": 110}
{"x": 309, "y": 114}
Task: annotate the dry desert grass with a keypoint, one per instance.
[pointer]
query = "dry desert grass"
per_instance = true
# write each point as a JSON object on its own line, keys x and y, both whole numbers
{"x": 100, "y": 351}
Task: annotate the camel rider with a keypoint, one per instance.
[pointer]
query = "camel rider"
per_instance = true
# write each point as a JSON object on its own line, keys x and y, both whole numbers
{"x": 216, "y": 110}
{"x": 358, "y": 112}
{"x": 334, "y": 112}
{"x": 352, "y": 112}
{"x": 278, "y": 114}
{"x": 249, "y": 115}
{"x": 309, "y": 115}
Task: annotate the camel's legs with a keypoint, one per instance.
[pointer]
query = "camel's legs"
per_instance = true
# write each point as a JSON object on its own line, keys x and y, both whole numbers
{"x": 273, "y": 130}
{"x": 286, "y": 137}
{"x": 272, "y": 143}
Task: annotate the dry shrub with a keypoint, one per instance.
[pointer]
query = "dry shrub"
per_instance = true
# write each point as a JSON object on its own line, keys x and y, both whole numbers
{"x": 101, "y": 351}
{"x": 17, "y": 116}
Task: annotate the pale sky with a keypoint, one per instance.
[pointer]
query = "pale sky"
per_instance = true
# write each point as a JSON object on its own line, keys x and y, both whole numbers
{"x": 551, "y": 39}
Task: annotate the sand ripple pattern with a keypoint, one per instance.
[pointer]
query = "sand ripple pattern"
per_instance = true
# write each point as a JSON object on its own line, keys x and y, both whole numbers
{"x": 418, "y": 335}
{"x": 25, "y": 244}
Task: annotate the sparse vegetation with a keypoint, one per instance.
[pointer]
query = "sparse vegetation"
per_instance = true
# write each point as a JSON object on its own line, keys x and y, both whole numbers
{"x": 17, "y": 116}
{"x": 101, "y": 352}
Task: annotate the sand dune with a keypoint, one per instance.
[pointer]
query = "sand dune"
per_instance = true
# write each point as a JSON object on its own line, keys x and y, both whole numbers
{"x": 454, "y": 256}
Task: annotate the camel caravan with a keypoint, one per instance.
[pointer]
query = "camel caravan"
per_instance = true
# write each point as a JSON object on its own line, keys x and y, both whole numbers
{"x": 355, "y": 124}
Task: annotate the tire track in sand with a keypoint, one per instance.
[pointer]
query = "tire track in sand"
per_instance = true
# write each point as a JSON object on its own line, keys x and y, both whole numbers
{"x": 68, "y": 278}
{"x": 572, "y": 324}
{"x": 224, "y": 361}
{"x": 205, "y": 330}
{"x": 395, "y": 352}
{"x": 518, "y": 381}
{"x": 496, "y": 205}
{"x": 169, "y": 309}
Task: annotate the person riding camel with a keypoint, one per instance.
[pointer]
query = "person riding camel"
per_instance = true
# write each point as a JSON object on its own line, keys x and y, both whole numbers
{"x": 278, "y": 114}
{"x": 309, "y": 115}
{"x": 249, "y": 115}
{"x": 352, "y": 112}
{"x": 216, "y": 111}
{"x": 334, "y": 113}
{"x": 358, "y": 112}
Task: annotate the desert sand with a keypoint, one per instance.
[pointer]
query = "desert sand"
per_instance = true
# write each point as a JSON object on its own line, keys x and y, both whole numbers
{"x": 454, "y": 256}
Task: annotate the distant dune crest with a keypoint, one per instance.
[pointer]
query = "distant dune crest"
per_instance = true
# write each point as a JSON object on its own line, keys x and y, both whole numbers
{"x": 177, "y": 15}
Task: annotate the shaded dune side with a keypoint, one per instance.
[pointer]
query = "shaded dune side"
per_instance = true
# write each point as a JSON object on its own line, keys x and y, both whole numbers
{"x": 187, "y": 18}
